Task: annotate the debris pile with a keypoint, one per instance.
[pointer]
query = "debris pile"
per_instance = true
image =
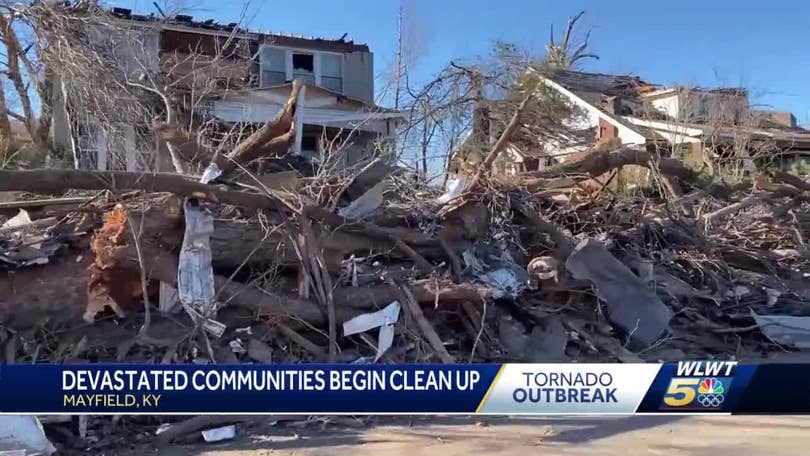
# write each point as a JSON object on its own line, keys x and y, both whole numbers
{"x": 366, "y": 264}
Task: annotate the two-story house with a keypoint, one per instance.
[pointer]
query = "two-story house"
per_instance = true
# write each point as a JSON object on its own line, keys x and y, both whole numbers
{"x": 694, "y": 123}
{"x": 336, "y": 111}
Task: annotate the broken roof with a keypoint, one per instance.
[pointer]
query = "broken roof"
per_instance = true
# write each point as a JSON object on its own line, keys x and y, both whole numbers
{"x": 604, "y": 84}
{"x": 188, "y": 23}
{"x": 794, "y": 139}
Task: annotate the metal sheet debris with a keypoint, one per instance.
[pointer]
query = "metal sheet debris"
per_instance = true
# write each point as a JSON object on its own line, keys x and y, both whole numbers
{"x": 631, "y": 304}
{"x": 368, "y": 177}
{"x": 786, "y": 330}
{"x": 210, "y": 173}
{"x": 24, "y": 433}
{"x": 237, "y": 346}
{"x": 195, "y": 277}
{"x": 506, "y": 282}
{"x": 168, "y": 299}
{"x": 21, "y": 219}
{"x": 454, "y": 188}
{"x": 219, "y": 434}
{"x": 367, "y": 203}
{"x": 385, "y": 319}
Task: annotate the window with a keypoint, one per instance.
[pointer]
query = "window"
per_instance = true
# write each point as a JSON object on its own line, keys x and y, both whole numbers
{"x": 309, "y": 147}
{"x": 145, "y": 149}
{"x": 88, "y": 146}
{"x": 278, "y": 65}
{"x": 303, "y": 67}
{"x": 273, "y": 63}
{"x": 332, "y": 72}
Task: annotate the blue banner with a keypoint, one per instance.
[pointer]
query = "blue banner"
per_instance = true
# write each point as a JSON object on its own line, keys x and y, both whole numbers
{"x": 513, "y": 389}
{"x": 243, "y": 389}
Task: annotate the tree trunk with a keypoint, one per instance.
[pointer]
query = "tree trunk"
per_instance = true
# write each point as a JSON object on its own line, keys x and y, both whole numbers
{"x": 5, "y": 123}
{"x": 26, "y": 300}
{"x": 58, "y": 180}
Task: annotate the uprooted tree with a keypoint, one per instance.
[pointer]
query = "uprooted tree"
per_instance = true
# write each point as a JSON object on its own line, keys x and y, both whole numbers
{"x": 111, "y": 81}
{"x": 457, "y": 116}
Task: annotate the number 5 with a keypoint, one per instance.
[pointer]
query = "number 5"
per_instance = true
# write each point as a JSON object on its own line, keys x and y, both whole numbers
{"x": 681, "y": 392}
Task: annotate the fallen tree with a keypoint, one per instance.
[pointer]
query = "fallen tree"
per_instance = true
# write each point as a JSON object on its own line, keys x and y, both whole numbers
{"x": 60, "y": 180}
{"x": 295, "y": 262}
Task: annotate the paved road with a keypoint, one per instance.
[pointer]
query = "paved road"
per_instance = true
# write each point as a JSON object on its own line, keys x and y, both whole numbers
{"x": 671, "y": 436}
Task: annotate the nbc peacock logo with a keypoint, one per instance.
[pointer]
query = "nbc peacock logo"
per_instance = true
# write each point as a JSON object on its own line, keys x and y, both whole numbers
{"x": 711, "y": 392}
{"x": 699, "y": 386}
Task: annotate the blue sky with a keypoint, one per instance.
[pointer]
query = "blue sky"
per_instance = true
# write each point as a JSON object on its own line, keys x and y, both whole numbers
{"x": 763, "y": 46}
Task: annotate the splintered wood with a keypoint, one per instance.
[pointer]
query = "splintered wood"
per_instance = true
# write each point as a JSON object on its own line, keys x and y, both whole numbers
{"x": 549, "y": 264}
{"x": 111, "y": 284}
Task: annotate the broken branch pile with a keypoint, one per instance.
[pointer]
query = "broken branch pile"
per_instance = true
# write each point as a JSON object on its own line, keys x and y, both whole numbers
{"x": 538, "y": 268}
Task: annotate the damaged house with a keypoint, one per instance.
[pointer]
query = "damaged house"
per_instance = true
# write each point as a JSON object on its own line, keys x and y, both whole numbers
{"x": 223, "y": 82}
{"x": 704, "y": 127}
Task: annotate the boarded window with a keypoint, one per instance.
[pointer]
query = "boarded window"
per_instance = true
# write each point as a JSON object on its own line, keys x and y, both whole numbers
{"x": 332, "y": 72}
{"x": 274, "y": 66}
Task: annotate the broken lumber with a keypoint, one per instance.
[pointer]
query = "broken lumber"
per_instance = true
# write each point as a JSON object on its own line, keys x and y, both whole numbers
{"x": 275, "y": 136}
{"x": 424, "y": 326}
{"x": 425, "y": 291}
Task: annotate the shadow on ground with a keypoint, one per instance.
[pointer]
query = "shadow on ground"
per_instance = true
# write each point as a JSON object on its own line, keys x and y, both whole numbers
{"x": 484, "y": 434}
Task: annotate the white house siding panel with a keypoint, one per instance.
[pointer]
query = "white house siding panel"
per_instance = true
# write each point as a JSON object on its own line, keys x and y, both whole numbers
{"x": 234, "y": 111}
{"x": 591, "y": 118}
{"x": 677, "y": 138}
{"x": 358, "y": 76}
{"x": 672, "y": 132}
{"x": 668, "y": 105}
{"x": 630, "y": 137}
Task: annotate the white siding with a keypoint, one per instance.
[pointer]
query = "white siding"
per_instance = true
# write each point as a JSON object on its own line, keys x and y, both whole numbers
{"x": 591, "y": 118}
{"x": 668, "y": 105}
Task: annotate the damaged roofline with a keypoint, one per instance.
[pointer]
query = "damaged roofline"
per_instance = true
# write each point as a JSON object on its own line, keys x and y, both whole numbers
{"x": 696, "y": 131}
{"x": 286, "y": 40}
{"x": 638, "y": 137}
{"x": 664, "y": 125}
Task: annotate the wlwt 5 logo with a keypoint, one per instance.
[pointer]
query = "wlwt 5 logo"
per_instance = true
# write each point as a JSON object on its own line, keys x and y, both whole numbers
{"x": 697, "y": 386}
